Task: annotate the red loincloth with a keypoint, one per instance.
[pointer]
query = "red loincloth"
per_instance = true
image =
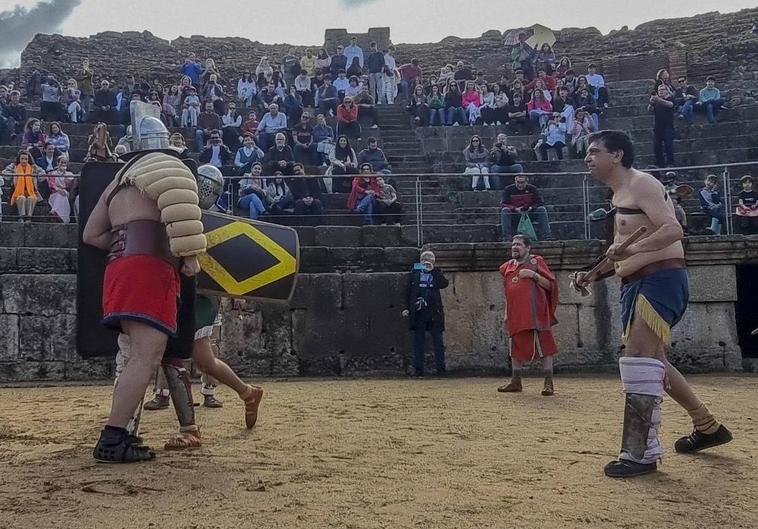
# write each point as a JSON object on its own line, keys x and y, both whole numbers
{"x": 141, "y": 288}
{"x": 524, "y": 346}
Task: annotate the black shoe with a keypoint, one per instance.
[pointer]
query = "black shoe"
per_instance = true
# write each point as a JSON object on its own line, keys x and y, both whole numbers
{"x": 117, "y": 446}
{"x": 159, "y": 402}
{"x": 417, "y": 374}
{"x": 697, "y": 441}
{"x": 622, "y": 468}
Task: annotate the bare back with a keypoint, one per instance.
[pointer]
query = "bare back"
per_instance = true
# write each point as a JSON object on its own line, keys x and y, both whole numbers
{"x": 642, "y": 201}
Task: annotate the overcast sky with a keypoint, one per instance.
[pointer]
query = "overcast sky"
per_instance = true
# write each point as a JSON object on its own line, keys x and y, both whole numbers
{"x": 304, "y": 21}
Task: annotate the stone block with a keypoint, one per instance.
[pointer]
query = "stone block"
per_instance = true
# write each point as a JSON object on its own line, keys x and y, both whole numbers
{"x": 50, "y": 235}
{"x": 41, "y": 295}
{"x": 8, "y": 259}
{"x": 381, "y": 236}
{"x": 334, "y": 236}
{"x": 78, "y": 369}
{"x": 46, "y": 260}
{"x": 306, "y": 235}
{"x": 706, "y": 338}
{"x": 9, "y": 338}
{"x": 317, "y": 290}
{"x": 32, "y": 371}
{"x": 317, "y": 340}
{"x": 374, "y": 341}
{"x": 11, "y": 234}
{"x": 376, "y": 290}
{"x": 47, "y": 338}
{"x": 712, "y": 283}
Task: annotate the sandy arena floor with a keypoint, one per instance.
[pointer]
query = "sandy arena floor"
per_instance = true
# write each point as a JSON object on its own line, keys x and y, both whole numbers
{"x": 378, "y": 453}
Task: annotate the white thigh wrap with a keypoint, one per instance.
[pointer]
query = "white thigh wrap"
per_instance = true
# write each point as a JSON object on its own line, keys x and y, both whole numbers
{"x": 172, "y": 185}
{"x": 644, "y": 376}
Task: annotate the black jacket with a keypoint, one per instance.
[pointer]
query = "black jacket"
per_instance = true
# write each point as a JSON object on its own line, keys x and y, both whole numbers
{"x": 224, "y": 154}
{"x": 440, "y": 282}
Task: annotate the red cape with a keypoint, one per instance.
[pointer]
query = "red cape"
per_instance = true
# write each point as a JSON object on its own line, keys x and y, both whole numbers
{"x": 529, "y": 306}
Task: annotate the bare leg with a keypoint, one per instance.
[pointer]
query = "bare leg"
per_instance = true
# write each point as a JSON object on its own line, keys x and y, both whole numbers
{"x": 202, "y": 355}
{"x": 146, "y": 350}
{"x": 30, "y": 204}
{"x": 21, "y": 207}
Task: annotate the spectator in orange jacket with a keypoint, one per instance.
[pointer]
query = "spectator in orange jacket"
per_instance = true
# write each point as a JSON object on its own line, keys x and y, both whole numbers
{"x": 347, "y": 119}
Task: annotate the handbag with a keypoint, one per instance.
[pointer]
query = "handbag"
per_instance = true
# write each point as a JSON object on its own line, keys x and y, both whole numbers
{"x": 525, "y": 227}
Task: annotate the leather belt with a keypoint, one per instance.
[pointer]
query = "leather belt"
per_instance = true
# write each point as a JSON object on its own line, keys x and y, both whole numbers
{"x": 666, "y": 264}
{"x": 141, "y": 237}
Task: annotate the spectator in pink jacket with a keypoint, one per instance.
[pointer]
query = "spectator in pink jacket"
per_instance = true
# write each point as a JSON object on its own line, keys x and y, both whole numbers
{"x": 539, "y": 108}
{"x": 472, "y": 100}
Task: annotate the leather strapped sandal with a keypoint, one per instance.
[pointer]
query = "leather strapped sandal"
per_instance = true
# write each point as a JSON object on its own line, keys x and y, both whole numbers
{"x": 185, "y": 440}
{"x": 252, "y": 401}
{"x": 514, "y": 386}
{"x": 547, "y": 389}
{"x": 117, "y": 446}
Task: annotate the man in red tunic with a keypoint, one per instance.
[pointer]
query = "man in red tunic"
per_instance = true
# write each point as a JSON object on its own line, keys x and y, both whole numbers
{"x": 531, "y": 297}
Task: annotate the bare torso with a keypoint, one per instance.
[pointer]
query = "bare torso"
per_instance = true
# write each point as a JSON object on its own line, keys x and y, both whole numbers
{"x": 626, "y": 197}
{"x": 129, "y": 204}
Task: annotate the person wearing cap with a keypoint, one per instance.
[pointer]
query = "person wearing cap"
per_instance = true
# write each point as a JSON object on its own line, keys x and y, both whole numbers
{"x": 190, "y": 108}
{"x": 425, "y": 311}
{"x": 747, "y": 207}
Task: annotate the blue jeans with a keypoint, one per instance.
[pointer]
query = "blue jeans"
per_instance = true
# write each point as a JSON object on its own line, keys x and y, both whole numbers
{"x": 712, "y": 109}
{"x": 540, "y": 116}
{"x": 199, "y": 140}
{"x": 439, "y": 112}
{"x": 688, "y": 110}
{"x": 419, "y": 339}
{"x": 497, "y": 181}
{"x": 457, "y": 113}
{"x": 366, "y": 207}
{"x": 253, "y": 204}
{"x": 509, "y": 221}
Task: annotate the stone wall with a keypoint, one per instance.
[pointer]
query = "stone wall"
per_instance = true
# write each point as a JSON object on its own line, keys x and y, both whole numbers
{"x": 345, "y": 316}
{"x": 706, "y": 44}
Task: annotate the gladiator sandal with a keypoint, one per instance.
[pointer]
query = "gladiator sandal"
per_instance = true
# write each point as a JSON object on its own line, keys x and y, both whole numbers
{"x": 252, "y": 401}
{"x": 188, "y": 437}
{"x": 514, "y": 386}
{"x": 547, "y": 389}
{"x": 117, "y": 446}
{"x": 210, "y": 401}
{"x": 159, "y": 402}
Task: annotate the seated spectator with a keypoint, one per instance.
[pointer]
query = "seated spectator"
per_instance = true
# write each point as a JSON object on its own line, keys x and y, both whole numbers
{"x": 539, "y": 108}
{"x": 570, "y": 81}
{"x": 365, "y": 104}
{"x": 341, "y": 83}
{"x": 480, "y": 81}
{"x": 662, "y": 76}
{"x": 247, "y": 155}
{"x": 471, "y": 100}
{"x": 374, "y": 156}
{"x": 323, "y": 137}
{"x": 685, "y": 98}
{"x": 522, "y": 198}
{"x": 280, "y": 87}
{"x": 59, "y": 139}
{"x": 436, "y": 105}
{"x": 522, "y": 56}
{"x": 545, "y": 59}
{"x": 554, "y": 137}
{"x": 217, "y": 154}
{"x": 675, "y": 195}
{"x": 231, "y": 127}
{"x": 363, "y": 193}
{"x": 328, "y": 98}
{"x": 172, "y": 103}
{"x": 99, "y": 145}
{"x": 303, "y": 89}
{"x": 323, "y": 62}
{"x": 51, "y": 106}
{"x": 246, "y": 90}
{"x": 207, "y": 122}
{"x": 60, "y": 182}
{"x": 503, "y": 160}
{"x": 477, "y": 162}
{"x": 410, "y": 76}
{"x": 290, "y": 67}
{"x": 543, "y": 81}
{"x": 564, "y": 105}
{"x": 251, "y": 124}
{"x": 354, "y": 71}
{"x": 710, "y": 100}
{"x": 517, "y": 110}
{"x": 583, "y": 100}
{"x": 353, "y": 51}
{"x": 25, "y": 193}
{"x": 214, "y": 92}
{"x": 280, "y": 157}
{"x": 72, "y": 102}
{"x": 564, "y": 65}
{"x": 462, "y": 75}
{"x": 34, "y": 139}
{"x": 15, "y": 111}
{"x": 347, "y": 119}
{"x": 252, "y": 195}
{"x": 272, "y": 123}
{"x": 580, "y": 131}
{"x": 7, "y": 128}
{"x": 517, "y": 88}
{"x": 278, "y": 195}
{"x": 446, "y": 74}
{"x": 264, "y": 71}
{"x": 597, "y": 82}
{"x": 539, "y": 84}
{"x": 306, "y": 193}
{"x": 662, "y": 105}
{"x": 191, "y": 69}
{"x": 417, "y": 107}
{"x": 387, "y": 207}
{"x": 710, "y": 204}
{"x": 293, "y": 106}
{"x": 308, "y": 63}
{"x": 343, "y": 161}
{"x": 338, "y": 62}
{"x": 455, "y": 113}
{"x": 389, "y": 85}
{"x": 191, "y": 108}
{"x": 495, "y": 108}
{"x": 103, "y": 105}
{"x": 210, "y": 69}
{"x": 48, "y": 162}
{"x": 747, "y": 207}
{"x": 176, "y": 143}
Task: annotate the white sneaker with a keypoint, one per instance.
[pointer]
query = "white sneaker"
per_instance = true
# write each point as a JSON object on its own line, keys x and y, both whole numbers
{"x": 456, "y": 124}
{"x": 498, "y": 123}
{"x": 374, "y": 126}
{"x": 486, "y": 124}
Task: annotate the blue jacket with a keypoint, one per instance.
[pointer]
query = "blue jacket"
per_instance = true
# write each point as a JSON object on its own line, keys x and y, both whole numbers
{"x": 193, "y": 71}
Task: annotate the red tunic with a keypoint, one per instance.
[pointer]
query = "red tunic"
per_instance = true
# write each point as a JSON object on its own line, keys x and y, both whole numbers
{"x": 530, "y": 312}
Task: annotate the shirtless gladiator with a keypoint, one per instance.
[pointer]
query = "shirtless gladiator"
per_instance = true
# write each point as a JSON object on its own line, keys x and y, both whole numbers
{"x": 654, "y": 297}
